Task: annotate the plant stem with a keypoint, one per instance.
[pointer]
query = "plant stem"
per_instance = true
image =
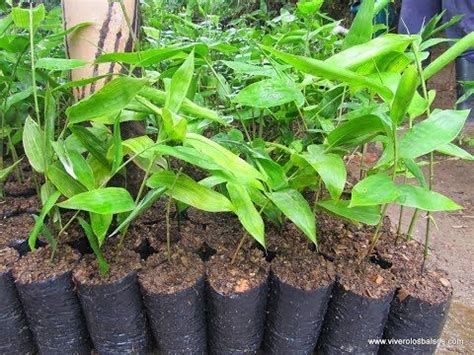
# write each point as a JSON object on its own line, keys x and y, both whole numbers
{"x": 168, "y": 211}
{"x": 33, "y": 65}
{"x": 411, "y": 227}
{"x": 241, "y": 243}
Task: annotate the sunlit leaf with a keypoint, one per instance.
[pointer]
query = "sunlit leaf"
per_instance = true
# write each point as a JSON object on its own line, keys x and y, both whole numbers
{"x": 108, "y": 200}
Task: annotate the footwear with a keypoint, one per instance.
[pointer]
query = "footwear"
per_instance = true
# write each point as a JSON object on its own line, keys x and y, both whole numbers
{"x": 464, "y": 73}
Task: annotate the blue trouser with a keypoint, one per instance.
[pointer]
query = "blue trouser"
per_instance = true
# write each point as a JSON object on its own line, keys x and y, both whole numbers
{"x": 416, "y": 13}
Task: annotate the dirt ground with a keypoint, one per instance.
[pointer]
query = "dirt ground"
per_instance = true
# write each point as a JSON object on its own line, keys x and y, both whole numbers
{"x": 452, "y": 242}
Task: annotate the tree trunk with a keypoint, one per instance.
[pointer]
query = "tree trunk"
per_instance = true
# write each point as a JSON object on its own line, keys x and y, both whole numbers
{"x": 108, "y": 33}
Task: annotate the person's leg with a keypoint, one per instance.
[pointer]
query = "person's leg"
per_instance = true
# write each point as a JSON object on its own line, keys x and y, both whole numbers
{"x": 465, "y": 63}
{"x": 415, "y": 13}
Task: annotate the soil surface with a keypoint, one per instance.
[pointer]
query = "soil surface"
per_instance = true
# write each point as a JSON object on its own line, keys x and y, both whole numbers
{"x": 161, "y": 276}
{"x": 8, "y": 256}
{"x": 37, "y": 265}
{"x": 121, "y": 265}
{"x": 15, "y": 229}
{"x": 248, "y": 271}
{"x": 13, "y": 206}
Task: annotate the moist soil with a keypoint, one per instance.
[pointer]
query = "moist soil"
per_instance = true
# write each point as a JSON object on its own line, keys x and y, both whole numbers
{"x": 432, "y": 287}
{"x": 162, "y": 276}
{"x": 15, "y": 229}
{"x": 13, "y": 206}
{"x": 248, "y": 271}
{"x": 27, "y": 187}
{"x": 37, "y": 265}
{"x": 121, "y": 265}
{"x": 8, "y": 257}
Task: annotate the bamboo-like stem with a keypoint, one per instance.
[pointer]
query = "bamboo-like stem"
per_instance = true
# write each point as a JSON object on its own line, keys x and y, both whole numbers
{"x": 239, "y": 246}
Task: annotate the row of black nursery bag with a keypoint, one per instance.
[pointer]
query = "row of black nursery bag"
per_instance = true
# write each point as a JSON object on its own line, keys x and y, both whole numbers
{"x": 285, "y": 319}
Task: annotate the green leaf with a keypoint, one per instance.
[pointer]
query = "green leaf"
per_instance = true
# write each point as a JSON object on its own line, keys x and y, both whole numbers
{"x": 424, "y": 199}
{"x": 296, "y": 208}
{"x": 51, "y": 201}
{"x": 113, "y": 97}
{"x": 175, "y": 125}
{"x": 364, "y": 214}
{"x": 187, "y": 154}
{"x": 92, "y": 143}
{"x": 59, "y": 64}
{"x": 188, "y": 191}
{"x": 103, "y": 266}
{"x": 247, "y": 213}
{"x": 82, "y": 170}
{"x": 416, "y": 171}
{"x": 309, "y": 7}
{"x": 250, "y": 69}
{"x": 117, "y": 151}
{"x": 18, "y": 97}
{"x": 362, "y": 27}
{"x": 379, "y": 47}
{"x": 180, "y": 84}
{"x": 404, "y": 95}
{"x": 374, "y": 190}
{"x": 224, "y": 158}
{"x": 5, "y": 172}
{"x": 275, "y": 174}
{"x": 22, "y": 19}
{"x": 356, "y": 131}
{"x": 150, "y": 198}
{"x": 269, "y": 93}
{"x": 100, "y": 225}
{"x": 432, "y": 133}
{"x": 330, "y": 167}
{"x": 63, "y": 181}
{"x": 33, "y": 143}
{"x": 144, "y": 151}
{"x": 108, "y": 200}
{"x": 325, "y": 70}
{"x": 455, "y": 151}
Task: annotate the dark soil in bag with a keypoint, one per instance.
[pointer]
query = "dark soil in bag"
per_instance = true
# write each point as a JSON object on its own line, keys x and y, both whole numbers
{"x": 418, "y": 313}
{"x": 173, "y": 293}
{"x": 236, "y": 302}
{"x": 24, "y": 188}
{"x": 14, "y": 206}
{"x": 15, "y": 337}
{"x": 51, "y": 305}
{"x": 300, "y": 288}
{"x": 358, "y": 309}
{"x": 14, "y": 233}
{"x": 112, "y": 304}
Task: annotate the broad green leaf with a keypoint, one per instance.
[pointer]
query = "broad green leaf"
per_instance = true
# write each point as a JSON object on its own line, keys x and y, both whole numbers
{"x": 364, "y": 214}
{"x": 374, "y": 190}
{"x": 92, "y": 143}
{"x": 16, "y": 98}
{"x": 296, "y": 208}
{"x": 187, "y": 154}
{"x": 330, "y": 167}
{"x": 175, "y": 125}
{"x": 325, "y": 70}
{"x": 250, "y": 69}
{"x": 33, "y": 237}
{"x": 59, "y": 64}
{"x": 144, "y": 153}
{"x": 247, "y": 213}
{"x": 188, "y": 107}
{"x": 224, "y": 158}
{"x": 432, "y": 133}
{"x": 269, "y": 93}
{"x": 108, "y": 200}
{"x": 416, "y": 171}
{"x": 361, "y": 54}
{"x": 23, "y": 19}
{"x": 63, "y": 181}
{"x": 404, "y": 95}
{"x": 276, "y": 177}
{"x": 100, "y": 224}
{"x": 362, "y": 27}
{"x": 150, "y": 198}
{"x": 424, "y": 199}
{"x": 103, "y": 266}
{"x": 188, "y": 191}
{"x": 180, "y": 84}
{"x": 5, "y": 172}
{"x": 356, "y": 131}
{"x": 82, "y": 170}
{"x": 33, "y": 143}
{"x": 114, "y": 96}
{"x": 117, "y": 150}
{"x": 455, "y": 151}
{"x": 309, "y": 7}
